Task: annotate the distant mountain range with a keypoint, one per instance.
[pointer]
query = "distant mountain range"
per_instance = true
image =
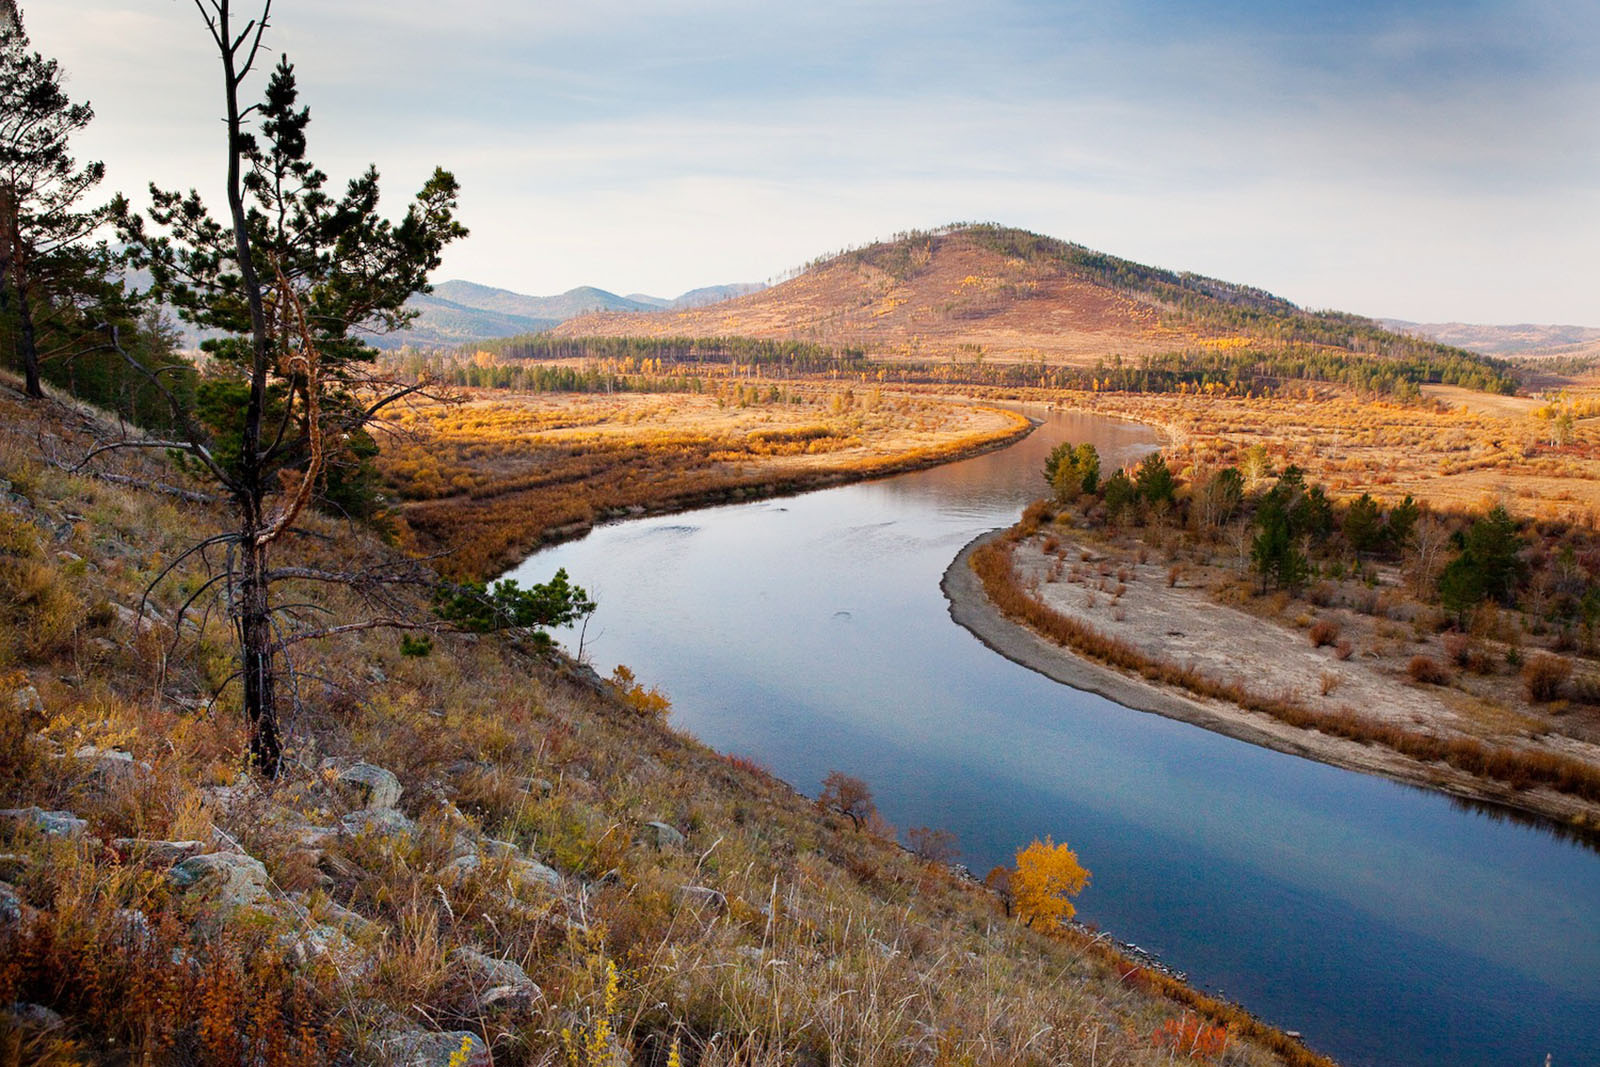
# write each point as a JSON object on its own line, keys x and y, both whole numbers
{"x": 1522, "y": 339}
{"x": 460, "y": 312}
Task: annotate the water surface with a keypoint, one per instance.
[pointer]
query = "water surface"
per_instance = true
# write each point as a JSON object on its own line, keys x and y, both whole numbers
{"x": 1385, "y": 923}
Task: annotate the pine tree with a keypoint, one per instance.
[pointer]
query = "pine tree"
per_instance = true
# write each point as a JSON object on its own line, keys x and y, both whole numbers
{"x": 44, "y": 266}
{"x": 288, "y": 280}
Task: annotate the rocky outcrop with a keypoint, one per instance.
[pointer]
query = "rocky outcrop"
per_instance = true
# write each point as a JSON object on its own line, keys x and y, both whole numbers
{"x": 661, "y": 835}
{"x": 228, "y": 879}
{"x": 49, "y": 823}
{"x": 433, "y": 1048}
{"x": 488, "y": 985}
{"x": 370, "y": 786}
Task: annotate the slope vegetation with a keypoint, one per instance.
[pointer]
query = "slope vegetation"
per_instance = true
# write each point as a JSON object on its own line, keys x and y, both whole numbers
{"x": 479, "y": 852}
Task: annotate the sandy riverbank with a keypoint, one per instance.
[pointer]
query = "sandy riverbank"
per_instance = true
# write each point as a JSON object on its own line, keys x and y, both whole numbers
{"x": 971, "y": 608}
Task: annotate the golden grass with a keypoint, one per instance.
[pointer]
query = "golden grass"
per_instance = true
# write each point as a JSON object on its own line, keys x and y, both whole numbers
{"x": 834, "y": 946}
{"x": 488, "y": 479}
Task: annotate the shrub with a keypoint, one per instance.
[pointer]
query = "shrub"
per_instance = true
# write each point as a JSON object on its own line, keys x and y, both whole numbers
{"x": 1323, "y": 632}
{"x": 1544, "y": 675}
{"x": 1427, "y": 670}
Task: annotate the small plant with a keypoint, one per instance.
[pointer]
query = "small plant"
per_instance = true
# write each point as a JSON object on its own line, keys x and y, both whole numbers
{"x": 1342, "y": 650}
{"x": 415, "y": 646}
{"x": 1544, "y": 676}
{"x": 1328, "y": 682}
{"x": 1323, "y": 632}
{"x": 1191, "y": 1037}
{"x": 650, "y": 702}
{"x": 1428, "y": 671}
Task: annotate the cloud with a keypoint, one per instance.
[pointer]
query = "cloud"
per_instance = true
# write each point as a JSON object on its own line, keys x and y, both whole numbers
{"x": 1328, "y": 148}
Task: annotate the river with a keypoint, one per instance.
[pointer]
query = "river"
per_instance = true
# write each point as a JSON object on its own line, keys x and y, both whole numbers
{"x": 1386, "y": 923}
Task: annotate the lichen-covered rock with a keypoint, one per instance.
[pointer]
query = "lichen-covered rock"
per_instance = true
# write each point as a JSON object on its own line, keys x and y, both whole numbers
{"x": 533, "y": 874}
{"x": 433, "y": 1048}
{"x": 12, "y": 909}
{"x": 158, "y": 853}
{"x": 35, "y": 1017}
{"x": 49, "y": 823}
{"x": 488, "y": 985}
{"x": 25, "y": 700}
{"x": 326, "y": 942}
{"x": 382, "y": 822}
{"x": 661, "y": 835}
{"x": 230, "y": 879}
{"x": 371, "y": 786}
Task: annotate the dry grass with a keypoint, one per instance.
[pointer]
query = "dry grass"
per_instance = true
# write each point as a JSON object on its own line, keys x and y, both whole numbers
{"x": 834, "y": 946}
{"x": 490, "y": 478}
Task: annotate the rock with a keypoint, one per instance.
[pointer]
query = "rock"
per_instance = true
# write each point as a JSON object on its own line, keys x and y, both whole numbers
{"x": 36, "y": 1017}
{"x": 158, "y": 853}
{"x": 528, "y": 874}
{"x": 324, "y": 941}
{"x": 25, "y": 700}
{"x": 132, "y": 927}
{"x": 700, "y": 897}
{"x": 492, "y": 985}
{"x": 373, "y": 787}
{"x": 49, "y": 823}
{"x": 350, "y": 922}
{"x": 231, "y": 879}
{"x": 383, "y": 822}
{"x": 661, "y": 835}
{"x": 223, "y": 800}
{"x": 111, "y": 765}
{"x": 138, "y": 623}
{"x": 433, "y": 1048}
{"x": 12, "y": 909}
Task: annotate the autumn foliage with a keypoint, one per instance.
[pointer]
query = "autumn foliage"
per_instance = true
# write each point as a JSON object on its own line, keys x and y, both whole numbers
{"x": 1047, "y": 875}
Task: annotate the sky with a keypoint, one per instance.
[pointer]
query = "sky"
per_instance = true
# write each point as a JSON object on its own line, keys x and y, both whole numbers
{"x": 1431, "y": 161}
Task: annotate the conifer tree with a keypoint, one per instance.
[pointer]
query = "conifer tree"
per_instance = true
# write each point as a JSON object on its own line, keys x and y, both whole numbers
{"x": 44, "y": 264}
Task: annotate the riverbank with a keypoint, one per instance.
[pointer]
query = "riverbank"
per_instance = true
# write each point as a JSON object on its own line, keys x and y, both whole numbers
{"x": 972, "y": 608}
{"x": 485, "y": 483}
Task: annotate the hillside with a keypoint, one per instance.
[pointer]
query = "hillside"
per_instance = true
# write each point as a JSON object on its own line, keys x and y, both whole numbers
{"x": 1005, "y": 294}
{"x": 479, "y": 851}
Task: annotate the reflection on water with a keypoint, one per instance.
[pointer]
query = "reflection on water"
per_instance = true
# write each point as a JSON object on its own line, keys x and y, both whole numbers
{"x": 1388, "y": 924}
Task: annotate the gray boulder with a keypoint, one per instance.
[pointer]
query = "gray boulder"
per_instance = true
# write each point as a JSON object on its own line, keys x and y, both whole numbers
{"x": 230, "y": 879}
{"x": 371, "y": 786}
{"x": 433, "y": 1048}
{"x": 12, "y": 909}
{"x": 489, "y": 985}
{"x": 35, "y": 1017}
{"x": 25, "y": 699}
{"x": 382, "y": 822}
{"x": 661, "y": 835}
{"x": 49, "y": 823}
{"x": 158, "y": 853}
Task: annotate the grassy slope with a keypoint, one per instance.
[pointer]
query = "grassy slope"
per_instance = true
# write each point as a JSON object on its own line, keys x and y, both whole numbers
{"x": 833, "y": 946}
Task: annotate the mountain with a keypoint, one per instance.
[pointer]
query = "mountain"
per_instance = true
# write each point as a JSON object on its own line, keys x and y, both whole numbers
{"x": 459, "y": 312}
{"x": 987, "y": 291}
{"x": 1522, "y": 339}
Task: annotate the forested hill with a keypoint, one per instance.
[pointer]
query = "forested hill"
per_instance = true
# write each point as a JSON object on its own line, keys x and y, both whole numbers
{"x": 986, "y": 291}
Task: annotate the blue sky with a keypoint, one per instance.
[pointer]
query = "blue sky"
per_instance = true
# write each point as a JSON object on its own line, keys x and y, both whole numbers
{"x": 1430, "y": 161}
